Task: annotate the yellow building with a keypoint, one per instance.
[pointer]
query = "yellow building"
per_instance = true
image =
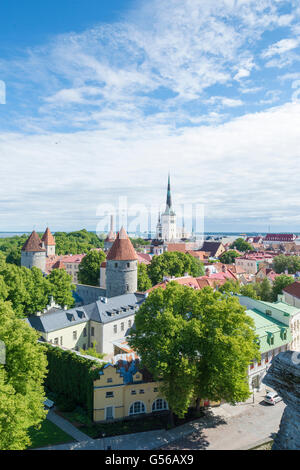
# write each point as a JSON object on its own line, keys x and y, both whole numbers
{"x": 124, "y": 390}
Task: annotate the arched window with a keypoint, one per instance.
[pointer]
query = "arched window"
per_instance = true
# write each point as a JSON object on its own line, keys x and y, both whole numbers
{"x": 159, "y": 405}
{"x": 136, "y": 408}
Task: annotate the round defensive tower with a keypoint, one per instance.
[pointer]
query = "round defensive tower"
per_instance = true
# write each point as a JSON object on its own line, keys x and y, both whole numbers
{"x": 121, "y": 267}
{"x": 33, "y": 253}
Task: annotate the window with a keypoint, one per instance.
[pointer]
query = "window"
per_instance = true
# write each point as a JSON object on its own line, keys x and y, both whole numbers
{"x": 142, "y": 391}
{"x": 116, "y": 265}
{"x": 129, "y": 323}
{"x": 136, "y": 408}
{"x": 155, "y": 389}
{"x": 109, "y": 395}
{"x": 74, "y": 334}
{"x": 92, "y": 331}
{"x": 109, "y": 380}
{"x": 84, "y": 347}
{"x": 55, "y": 340}
{"x": 122, "y": 326}
{"x": 61, "y": 340}
{"x": 92, "y": 344}
{"x": 128, "y": 265}
{"x": 84, "y": 332}
{"x": 115, "y": 328}
{"x": 133, "y": 392}
{"x": 159, "y": 405}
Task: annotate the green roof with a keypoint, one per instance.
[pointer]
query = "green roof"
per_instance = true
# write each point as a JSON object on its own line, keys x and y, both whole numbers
{"x": 282, "y": 306}
{"x": 265, "y": 327}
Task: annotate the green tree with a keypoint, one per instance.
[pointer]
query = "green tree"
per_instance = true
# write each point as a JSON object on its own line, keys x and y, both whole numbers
{"x": 228, "y": 257}
{"x": 249, "y": 291}
{"x": 19, "y": 287}
{"x": 199, "y": 343}
{"x": 174, "y": 264}
{"x": 230, "y": 286}
{"x": 241, "y": 245}
{"x": 280, "y": 283}
{"x": 264, "y": 290}
{"x": 21, "y": 381}
{"x": 144, "y": 282}
{"x": 77, "y": 242}
{"x": 224, "y": 338}
{"x": 92, "y": 351}
{"x": 282, "y": 263}
{"x": 89, "y": 268}
{"x": 61, "y": 287}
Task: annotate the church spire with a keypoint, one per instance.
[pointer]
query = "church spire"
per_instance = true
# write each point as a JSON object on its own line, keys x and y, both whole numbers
{"x": 169, "y": 200}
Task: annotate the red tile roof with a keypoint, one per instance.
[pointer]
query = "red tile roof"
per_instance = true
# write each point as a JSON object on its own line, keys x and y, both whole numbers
{"x": 48, "y": 238}
{"x": 144, "y": 258}
{"x": 177, "y": 247}
{"x": 33, "y": 243}
{"x": 122, "y": 248}
{"x": 280, "y": 237}
{"x": 59, "y": 265}
{"x": 293, "y": 289}
{"x": 110, "y": 237}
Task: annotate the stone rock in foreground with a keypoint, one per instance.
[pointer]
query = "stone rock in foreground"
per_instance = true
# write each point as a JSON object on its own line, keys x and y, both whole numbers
{"x": 284, "y": 377}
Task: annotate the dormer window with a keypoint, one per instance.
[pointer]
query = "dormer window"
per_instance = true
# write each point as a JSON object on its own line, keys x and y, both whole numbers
{"x": 269, "y": 312}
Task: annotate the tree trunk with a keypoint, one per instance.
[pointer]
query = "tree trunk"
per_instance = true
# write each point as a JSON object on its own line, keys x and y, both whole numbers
{"x": 198, "y": 401}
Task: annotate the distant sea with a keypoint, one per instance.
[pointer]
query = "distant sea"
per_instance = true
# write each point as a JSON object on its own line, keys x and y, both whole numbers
{"x": 211, "y": 234}
{"x": 12, "y": 234}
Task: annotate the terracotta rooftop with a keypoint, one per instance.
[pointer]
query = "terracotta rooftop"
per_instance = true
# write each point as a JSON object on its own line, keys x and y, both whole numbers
{"x": 122, "y": 248}
{"x": 59, "y": 265}
{"x": 48, "y": 238}
{"x": 293, "y": 289}
{"x": 110, "y": 237}
{"x": 33, "y": 243}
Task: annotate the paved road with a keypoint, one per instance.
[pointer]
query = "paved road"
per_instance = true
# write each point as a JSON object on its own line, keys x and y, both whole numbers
{"x": 224, "y": 428}
{"x": 242, "y": 431}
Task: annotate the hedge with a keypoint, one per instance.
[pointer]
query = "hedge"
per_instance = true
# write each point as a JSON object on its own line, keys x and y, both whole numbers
{"x": 71, "y": 376}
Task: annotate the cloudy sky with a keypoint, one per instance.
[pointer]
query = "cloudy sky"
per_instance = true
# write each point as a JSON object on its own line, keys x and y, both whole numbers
{"x": 104, "y": 98}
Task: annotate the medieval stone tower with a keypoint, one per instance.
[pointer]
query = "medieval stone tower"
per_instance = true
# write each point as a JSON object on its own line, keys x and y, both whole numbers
{"x": 49, "y": 242}
{"x": 121, "y": 267}
{"x": 33, "y": 253}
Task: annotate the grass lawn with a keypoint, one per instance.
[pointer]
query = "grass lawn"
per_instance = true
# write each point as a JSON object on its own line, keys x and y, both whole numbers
{"x": 48, "y": 434}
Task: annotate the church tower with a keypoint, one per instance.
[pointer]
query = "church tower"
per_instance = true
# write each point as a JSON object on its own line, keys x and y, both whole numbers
{"x": 168, "y": 218}
{"x": 121, "y": 267}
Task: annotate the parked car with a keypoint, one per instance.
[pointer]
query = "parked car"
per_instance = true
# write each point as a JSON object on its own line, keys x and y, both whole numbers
{"x": 272, "y": 398}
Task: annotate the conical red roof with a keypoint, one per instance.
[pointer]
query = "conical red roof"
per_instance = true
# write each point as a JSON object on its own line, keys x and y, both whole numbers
{"x": 122, "y": 248}
{"x": 33, "y": 243}
{"x": 48, "y": 238}
{"x": 110, "y": 237}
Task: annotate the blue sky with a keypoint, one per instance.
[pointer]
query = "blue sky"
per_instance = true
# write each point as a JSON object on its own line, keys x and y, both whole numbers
{"x": 104, "y": 98}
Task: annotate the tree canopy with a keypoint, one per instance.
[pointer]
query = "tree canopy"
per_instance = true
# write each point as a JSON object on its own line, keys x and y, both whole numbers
{"x": 29, "y": 291}
{"x": 76, "y": 243}
{"x": 280, "y": 283}
{"x": 241, "y": 245}
{"x": 282, "y": 263}
{"x": 197, "y": 342}
{"x": 89, "y": 268}
{"x": 228, "y": 257}
{"x": 174, "y": 264}
{"x": 21, "y": 380}
{"x": 144, "y": 282}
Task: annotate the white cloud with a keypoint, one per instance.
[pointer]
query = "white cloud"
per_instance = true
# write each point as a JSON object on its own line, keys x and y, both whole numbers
{"x": 243, "y": 166}
{"x": 280, "y": 47}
